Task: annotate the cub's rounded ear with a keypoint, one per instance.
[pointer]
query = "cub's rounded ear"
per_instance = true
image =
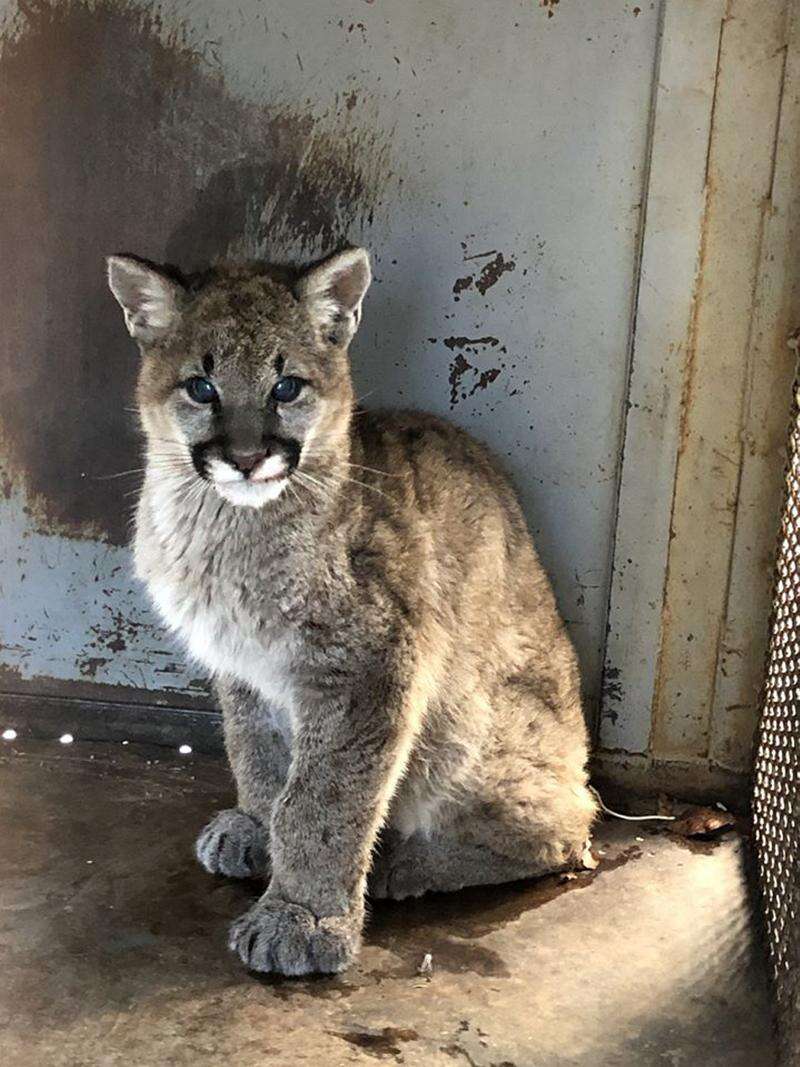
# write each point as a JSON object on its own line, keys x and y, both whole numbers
{"x": 149, "y": 299}
{"x": 332, "y": 293}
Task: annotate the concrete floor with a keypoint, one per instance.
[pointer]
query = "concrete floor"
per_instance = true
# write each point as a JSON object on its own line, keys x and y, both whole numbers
{"x": 112, "y": 945}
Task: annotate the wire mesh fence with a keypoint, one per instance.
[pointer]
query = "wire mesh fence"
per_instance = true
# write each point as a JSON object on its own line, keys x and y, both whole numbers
{"x": 776, "y": 789}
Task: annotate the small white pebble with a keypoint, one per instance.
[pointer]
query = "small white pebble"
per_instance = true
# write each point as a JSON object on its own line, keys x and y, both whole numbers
{"x": 640, "y": 839}
{"x": 90, "y": 861}
{"x": 9, "y": 735}
{"x": 66, "y": 739}
{"x": 426, "y": 967}
{"x": 185, "y": 750}
{"x": 126, "y": 742}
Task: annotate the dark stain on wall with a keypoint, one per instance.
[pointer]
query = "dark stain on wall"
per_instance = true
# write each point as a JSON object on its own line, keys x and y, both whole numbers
{"x": 490, "y": 273}
{"x": 493, "y": 271}
{"x": 461, "y": 284}
{"x": 468, "y": 342}
{"x": 458, "y": 368}
{"x": 118, "y": 136}
{"x": 89, "y": 666}
{"x": 461, "y": 365}
{"x": 611, "y": 690}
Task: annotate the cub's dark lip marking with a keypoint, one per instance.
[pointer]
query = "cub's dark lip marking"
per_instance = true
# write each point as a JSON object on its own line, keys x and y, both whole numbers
{"x": 291, "y": 452}
{"x": 287, "y": 446}
{"x": 199, "y": 452}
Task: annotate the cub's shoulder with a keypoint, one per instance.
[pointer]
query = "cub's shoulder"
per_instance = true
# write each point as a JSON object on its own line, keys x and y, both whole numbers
{"x": 420, "y": 432}
{"x": 446, "y": 462}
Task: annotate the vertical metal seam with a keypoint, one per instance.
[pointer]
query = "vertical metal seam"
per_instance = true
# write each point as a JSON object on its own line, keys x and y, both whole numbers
{"x": 723, "y": 20}
{"x": 747, "y": 393}
{"x": 630, "y": 355}
{"x": 688, "y": 368}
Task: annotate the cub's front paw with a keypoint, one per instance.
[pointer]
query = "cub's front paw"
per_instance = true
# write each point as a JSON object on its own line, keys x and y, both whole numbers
{"x": 284, "y": 938}
{"x": 233, "y": 844}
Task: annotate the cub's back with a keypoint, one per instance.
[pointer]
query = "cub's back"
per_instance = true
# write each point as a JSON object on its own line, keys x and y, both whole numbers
{"x": 433, "y": 470}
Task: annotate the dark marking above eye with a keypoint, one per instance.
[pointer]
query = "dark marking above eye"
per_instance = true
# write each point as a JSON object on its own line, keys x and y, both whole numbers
{"x": 280, "y": 363}
{"x": 208, "y": 363}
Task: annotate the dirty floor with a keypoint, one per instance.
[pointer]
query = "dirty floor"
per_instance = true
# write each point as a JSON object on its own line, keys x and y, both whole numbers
{"x": 112, "y": 945}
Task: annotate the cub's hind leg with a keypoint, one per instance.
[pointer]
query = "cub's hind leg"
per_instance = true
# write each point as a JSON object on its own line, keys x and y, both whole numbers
{"x": 529, "y": 814}
{"x": 235, "y": 842}
{"x": 439, "y": 863}
{"x": 486, "y": 844}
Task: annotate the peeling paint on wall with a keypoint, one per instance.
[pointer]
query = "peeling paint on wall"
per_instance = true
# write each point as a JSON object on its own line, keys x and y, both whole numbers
{"x": 489, "y": 275}
{"x": 86, "y": 621}
{"x": 459, "y": 390}
{"x": 492, "y": 272}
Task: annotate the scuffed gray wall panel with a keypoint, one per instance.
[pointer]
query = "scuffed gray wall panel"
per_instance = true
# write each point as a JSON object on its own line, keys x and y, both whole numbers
{"x": 491, "y": 156}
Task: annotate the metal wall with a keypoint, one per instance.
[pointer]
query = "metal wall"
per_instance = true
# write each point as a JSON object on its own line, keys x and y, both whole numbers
{"x": 510, "y": 164}
{"x": 491, "y": 155}
{"x": 713, "y": 363}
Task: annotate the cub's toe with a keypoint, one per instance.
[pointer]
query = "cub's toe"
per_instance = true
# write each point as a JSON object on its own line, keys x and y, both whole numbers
{"x": 279, "y": 937}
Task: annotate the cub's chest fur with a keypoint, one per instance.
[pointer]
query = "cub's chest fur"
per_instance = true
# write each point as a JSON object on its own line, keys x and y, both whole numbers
{"x": 229, "y": 644}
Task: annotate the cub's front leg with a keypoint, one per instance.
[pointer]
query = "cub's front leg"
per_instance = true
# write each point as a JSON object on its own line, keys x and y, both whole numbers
{"x": 349, "y": 752}
{"x": 235, "y": 842}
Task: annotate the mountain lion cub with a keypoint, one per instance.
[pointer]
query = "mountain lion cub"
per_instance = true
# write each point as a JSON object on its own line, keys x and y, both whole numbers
{"x": 400, "y": 699}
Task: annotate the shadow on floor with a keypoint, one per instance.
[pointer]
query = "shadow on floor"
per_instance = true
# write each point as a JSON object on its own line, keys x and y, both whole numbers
{"x": 113, "y": 945}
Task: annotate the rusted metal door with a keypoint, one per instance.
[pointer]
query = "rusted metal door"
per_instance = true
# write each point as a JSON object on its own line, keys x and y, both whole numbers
{"x": 492, "y": 157}
{"x": 713, "y": 362}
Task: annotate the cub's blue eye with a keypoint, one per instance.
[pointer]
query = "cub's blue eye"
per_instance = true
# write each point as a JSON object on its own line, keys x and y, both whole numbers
{"x": 201, "y": 390}
{"x": 285, "y": 390}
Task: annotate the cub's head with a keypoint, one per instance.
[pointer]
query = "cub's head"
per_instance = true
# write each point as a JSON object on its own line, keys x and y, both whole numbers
{"x": 245, "y": 380}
